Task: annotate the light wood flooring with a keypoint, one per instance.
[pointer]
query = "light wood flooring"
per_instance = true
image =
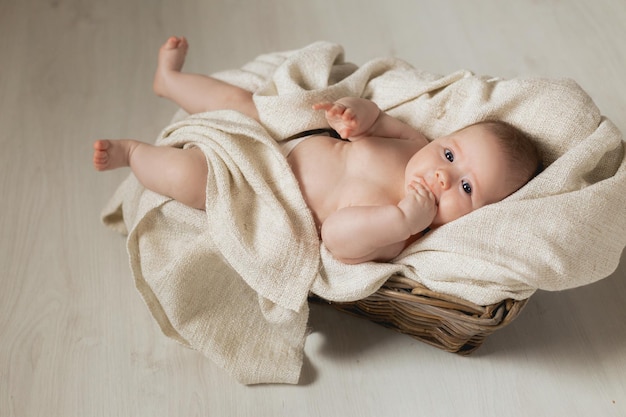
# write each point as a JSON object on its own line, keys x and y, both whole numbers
{"x": 75, "y": 336}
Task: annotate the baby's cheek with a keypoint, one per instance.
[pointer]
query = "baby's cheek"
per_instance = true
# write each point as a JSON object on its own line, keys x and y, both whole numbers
{"x": 449, "y": 210}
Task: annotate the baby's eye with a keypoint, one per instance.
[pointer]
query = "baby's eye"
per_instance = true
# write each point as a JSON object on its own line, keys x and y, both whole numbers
{"x": 466, "y": 187}
{"x": 449, "y": 155}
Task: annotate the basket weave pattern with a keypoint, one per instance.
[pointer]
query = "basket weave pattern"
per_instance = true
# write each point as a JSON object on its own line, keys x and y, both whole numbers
{"x": 446, "y": 322}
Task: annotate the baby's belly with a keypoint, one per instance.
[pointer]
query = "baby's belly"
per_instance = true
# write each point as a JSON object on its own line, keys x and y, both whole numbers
{"x": 319, "y": 165}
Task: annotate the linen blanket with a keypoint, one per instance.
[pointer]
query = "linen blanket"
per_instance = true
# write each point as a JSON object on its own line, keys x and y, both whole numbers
{"x": 232, "y": 282}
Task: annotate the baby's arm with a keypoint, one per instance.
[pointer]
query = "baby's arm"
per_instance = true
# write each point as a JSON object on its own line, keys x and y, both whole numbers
{"x": 378, "y": 233}
{"x": 354, "y": 118}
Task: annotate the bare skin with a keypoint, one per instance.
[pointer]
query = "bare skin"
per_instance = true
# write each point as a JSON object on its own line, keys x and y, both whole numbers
{"x": 376, "y": 193}
{"x": 370, "y": 196}
{"x": 195, "y": 93}
{"x": 177, "y": 173}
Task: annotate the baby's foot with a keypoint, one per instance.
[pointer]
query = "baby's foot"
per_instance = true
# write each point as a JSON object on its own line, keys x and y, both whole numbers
{"x": 111, "y": 154}
{"x": 171, "y": 59}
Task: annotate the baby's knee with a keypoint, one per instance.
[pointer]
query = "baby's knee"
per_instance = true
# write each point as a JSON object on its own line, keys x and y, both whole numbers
{"x": 189, "y": 180}
{"x": 242, "y": 100}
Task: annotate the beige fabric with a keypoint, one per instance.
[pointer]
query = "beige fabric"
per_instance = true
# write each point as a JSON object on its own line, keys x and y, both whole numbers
{"x": 232, "y": 282}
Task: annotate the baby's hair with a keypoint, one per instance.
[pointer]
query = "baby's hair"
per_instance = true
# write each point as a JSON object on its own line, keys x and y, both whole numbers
{"x": 523, "y": 156}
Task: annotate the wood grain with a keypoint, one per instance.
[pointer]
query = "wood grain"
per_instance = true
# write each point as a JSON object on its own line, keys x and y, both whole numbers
{"x": 75, "y": 337}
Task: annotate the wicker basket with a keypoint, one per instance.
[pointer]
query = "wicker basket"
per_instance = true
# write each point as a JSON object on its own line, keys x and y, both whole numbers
{"x": 446, "y": 322}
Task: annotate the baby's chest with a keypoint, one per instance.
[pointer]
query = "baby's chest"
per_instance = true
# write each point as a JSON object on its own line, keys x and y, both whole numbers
{"x": 374, "y": 180}
{"x": 334, "y": 174}
{"x": 366, "y": 192}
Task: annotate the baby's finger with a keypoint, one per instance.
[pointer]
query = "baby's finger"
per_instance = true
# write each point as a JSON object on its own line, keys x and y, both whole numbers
{"x": 336, "y": 110}
{"x": 325, "y": 105}
{"x": 417, "y": 186}
{"x": 344, "y": 133}
{"x": 424, "y": 185}
{"x": 348, "y": 115}
{"x": 423, "y": 190}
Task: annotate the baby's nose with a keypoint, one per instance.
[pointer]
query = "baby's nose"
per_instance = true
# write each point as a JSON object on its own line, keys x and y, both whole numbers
{"x": 443, "y": 178}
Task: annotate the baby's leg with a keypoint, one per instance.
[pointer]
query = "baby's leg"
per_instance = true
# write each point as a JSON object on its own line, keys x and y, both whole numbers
{"x": 196, "y": 93}
{"x": 177, "y": 173}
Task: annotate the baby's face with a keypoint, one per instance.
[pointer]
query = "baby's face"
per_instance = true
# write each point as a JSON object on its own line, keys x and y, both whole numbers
{"x": 464, "y": 170}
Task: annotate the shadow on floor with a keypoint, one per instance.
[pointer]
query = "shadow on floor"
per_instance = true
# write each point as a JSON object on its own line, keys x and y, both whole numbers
{"x": 569, "y": 322}
{"x": 566, "y": 323}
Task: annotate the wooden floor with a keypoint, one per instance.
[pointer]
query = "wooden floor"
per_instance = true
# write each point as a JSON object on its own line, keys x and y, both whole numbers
{"x": 76, "y": 338}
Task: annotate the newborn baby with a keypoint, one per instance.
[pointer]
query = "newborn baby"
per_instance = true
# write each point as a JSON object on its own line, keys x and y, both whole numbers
{"x": 372, "y": 193}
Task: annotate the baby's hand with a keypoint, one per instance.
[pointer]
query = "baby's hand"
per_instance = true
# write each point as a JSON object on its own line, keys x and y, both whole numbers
{"x": 419, "y": 206}
{"x": 339, "y": 117}
{"x": 350, "y": 116}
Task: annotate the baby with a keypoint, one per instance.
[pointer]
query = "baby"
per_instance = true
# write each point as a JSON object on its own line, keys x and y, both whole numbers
{"x": 370, "y": 195}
